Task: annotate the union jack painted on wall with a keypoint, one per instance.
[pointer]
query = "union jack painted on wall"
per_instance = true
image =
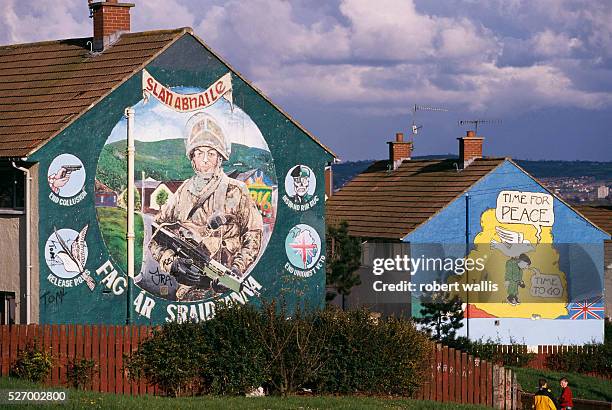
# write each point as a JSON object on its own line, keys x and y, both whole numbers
{"x": 587, "y": 309}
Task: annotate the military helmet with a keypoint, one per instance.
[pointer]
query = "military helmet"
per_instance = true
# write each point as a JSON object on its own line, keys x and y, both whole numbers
{"x": 202, "y": 130}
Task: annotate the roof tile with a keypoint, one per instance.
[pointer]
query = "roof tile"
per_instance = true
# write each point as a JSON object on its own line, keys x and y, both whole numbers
{"x": 390, "y": 204}
{"x": 599, "y": 215}
{"x": 44, "y": 86}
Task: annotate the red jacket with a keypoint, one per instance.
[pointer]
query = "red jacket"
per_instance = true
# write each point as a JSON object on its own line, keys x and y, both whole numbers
{"x": 566, "y": 398}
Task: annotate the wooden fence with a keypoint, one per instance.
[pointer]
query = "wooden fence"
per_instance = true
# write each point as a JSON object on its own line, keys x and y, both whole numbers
{"x": 104, "y": 344}
{"x": 456, "y": 376}
{"x": 540, "y": 359}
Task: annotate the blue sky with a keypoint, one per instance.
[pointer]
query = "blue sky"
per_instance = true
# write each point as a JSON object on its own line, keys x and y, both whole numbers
{"x": 350, "y": 70}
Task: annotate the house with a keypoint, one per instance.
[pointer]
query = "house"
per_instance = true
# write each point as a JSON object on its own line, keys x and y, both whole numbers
{"x": 63, "y": 129}
{"x": 602, "y": 216}
{"x": 104, "y": 195}
{"x": 145, "y": 187}
{"x": 152, "y": 198}
{"x": 536, "y": 264}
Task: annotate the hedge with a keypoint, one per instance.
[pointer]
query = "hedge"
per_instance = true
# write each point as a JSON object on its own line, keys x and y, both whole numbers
{"x": 327, "y": 351}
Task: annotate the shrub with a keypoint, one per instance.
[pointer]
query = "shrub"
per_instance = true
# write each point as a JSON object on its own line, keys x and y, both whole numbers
{"x": 371, "y": 356}
{"x": 233, "y": 357}
{"x": 32, "y": 364}
{"x": 493, "y": 352}
{"x": 593, "y": 358}
{"x": 80, "y": 372}
{"x": 329, "y": 351}
{"x": 169, "y": 359}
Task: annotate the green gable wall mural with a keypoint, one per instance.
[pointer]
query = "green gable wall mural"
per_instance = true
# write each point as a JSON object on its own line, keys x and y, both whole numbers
{"x": 228, "y": 200}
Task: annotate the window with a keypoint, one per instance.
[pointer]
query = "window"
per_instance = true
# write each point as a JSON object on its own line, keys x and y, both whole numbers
{"x": 7, "y": 308}
{"x": 11, "y": 187}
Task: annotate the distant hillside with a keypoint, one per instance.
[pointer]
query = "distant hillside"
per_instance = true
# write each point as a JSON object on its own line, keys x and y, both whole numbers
{"x": 166, "y": 160}
{"x": 559, "y": 169}
{"x": 346, "y": 171}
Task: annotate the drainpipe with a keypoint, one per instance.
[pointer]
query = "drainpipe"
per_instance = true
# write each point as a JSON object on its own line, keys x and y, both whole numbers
{"x": 129, "y": 113}
{"x": 28, "y": 213}
{"x": 467, "y": 250}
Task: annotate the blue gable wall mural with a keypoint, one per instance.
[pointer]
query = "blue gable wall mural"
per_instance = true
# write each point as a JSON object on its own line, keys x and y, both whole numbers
{"x": 239, "y": 184}
{"x": 548, "y": 259}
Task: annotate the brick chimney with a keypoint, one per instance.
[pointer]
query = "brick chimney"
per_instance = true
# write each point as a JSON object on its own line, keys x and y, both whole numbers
{"x": 110, "y": 20}
{"x": 470, "y": 148}
{"x": 399, "y": 150}
{"x": 329, "y": 182}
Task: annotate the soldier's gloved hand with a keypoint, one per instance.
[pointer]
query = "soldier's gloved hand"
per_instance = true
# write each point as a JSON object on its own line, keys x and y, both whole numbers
{"x": 236, "y": 271}
{"x": 216, "y": 220}
{"x": 185, "y": 272}
{"x": 522, "y": 284}
{"x": 217, "y": 287}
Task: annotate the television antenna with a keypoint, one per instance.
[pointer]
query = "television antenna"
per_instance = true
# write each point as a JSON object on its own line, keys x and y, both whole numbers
{"x": 475, "y": 123}
{"x": 416, "y": 127}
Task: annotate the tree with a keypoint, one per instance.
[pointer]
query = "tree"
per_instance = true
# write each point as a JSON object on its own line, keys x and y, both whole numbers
{"x": 344, "y": 258}
{"x": 137, "y": 201}
{"x": 441, "y": 316}
{"x": 161, "y": 197}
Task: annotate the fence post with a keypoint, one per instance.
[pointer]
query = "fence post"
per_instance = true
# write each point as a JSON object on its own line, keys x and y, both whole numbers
{"x": 445, "y": 373}
{"x": 477, "y": 381}
{"x": 508, "y": 389}
{"x": 452, "y": 366}
{"x": 516, "y": 396}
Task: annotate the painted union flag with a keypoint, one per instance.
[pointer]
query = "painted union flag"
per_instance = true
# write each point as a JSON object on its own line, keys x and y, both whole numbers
{"x": 587, "y": 309}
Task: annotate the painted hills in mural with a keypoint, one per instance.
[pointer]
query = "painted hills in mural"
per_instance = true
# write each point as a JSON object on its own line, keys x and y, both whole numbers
{"x": 165, "y": 160}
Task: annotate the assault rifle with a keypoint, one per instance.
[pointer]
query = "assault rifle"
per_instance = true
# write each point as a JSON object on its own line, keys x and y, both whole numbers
{"x": 185, "y": 247}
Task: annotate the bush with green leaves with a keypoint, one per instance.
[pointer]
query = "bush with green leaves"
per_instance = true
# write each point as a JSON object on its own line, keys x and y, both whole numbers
{"x": 221, "y": 356}
{"x": 80, "y": 372}
{"x": 243, "y": 347}
{"x": 366, "y": 355}
{"x": 233, "y": 357}
{"x": 593, "y": 357}
{"x": 32, "y": 364}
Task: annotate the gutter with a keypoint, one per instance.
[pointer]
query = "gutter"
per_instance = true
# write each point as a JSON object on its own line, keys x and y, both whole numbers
{"x": 28, "y": 215}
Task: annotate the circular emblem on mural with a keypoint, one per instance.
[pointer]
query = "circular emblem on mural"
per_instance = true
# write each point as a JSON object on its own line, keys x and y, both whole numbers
{"x": 66, "y": 255}
{"x": 206, "y": 193}
{"x": 66, "y": 177}
{"x": 303, "y": 248}
{"x": 300, "y": 187}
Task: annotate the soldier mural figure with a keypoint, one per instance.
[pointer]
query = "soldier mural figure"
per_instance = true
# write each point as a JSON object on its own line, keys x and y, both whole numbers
{"x": 211, "y": 211}
{"x": 513, "y": 277}
{"x": 301, "y": 181}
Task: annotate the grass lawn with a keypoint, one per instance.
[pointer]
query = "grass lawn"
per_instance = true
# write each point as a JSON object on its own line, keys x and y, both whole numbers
{"x": 85, "y": 399}
{"x": 113, "y": 225}
{"x": 583, "y": 387}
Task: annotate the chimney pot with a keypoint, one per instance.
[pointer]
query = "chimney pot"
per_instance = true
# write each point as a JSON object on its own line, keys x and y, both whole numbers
{"x": 399, "y": 137}
{"x": 470, "y": 134}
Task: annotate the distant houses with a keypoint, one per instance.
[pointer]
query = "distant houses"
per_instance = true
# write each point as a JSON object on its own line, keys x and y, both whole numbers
{"x": 105, "y": 197}
{"x": 155, "y": 198}
{"x": 154, "y": 194}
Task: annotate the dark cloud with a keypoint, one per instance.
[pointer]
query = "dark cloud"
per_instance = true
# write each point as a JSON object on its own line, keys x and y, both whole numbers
{"x": 350, "y": 70}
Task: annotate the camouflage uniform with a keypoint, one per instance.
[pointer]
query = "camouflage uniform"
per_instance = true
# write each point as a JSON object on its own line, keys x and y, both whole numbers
{"x": 236, "y": 243}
